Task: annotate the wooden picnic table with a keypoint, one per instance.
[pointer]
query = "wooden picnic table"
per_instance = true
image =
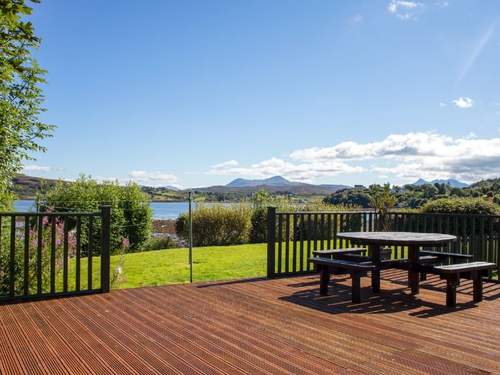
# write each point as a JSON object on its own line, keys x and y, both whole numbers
{"x": 375, "y": 240}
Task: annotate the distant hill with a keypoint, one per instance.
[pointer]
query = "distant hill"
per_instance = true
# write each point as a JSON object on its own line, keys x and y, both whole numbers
{"x": 451, "y": 181}
{"x": 26, "y": 187}
{"x": 271, "y": 181}
{"x": 276, "y": 184}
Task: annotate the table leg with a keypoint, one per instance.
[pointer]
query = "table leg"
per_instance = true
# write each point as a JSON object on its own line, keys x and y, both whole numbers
{"x": 374, "y": 251}
{"x": 413, "y": 275}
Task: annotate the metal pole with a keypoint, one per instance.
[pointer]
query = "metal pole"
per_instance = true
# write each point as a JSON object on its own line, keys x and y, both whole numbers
{"x": 190, "y": 239}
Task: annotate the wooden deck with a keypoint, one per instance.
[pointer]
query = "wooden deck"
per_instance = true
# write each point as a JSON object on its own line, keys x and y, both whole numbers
{"x": 278, "y": 326}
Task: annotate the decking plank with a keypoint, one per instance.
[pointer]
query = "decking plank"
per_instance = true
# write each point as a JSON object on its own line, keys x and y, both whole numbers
{"x": 279, "y": 326}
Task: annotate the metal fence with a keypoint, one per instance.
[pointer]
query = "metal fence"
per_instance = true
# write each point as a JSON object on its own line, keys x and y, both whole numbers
{"x": 54, "y": 254}
{"x": 293, "y": 236}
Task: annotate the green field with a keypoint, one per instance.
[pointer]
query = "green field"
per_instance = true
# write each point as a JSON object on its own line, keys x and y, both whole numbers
{"x": 171, "y": 266}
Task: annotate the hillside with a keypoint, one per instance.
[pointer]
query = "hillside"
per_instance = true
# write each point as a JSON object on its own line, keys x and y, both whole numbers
{"x": 26, "y": 187}
{"x": 452, "y": 182}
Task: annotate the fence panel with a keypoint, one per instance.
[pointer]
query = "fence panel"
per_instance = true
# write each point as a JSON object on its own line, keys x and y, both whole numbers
{"x": 50, "y": 253}
{"x": 293, "y": 236}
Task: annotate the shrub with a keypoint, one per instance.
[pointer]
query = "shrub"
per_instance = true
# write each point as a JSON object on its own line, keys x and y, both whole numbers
{"x": 474, "y": 206}
{"x": 217, "y": 225}
{"x": 130, "y": 211}
{"x": 159, "y": 243}
{"x": 261, "y": 200}
{"x": 5, "y": 260}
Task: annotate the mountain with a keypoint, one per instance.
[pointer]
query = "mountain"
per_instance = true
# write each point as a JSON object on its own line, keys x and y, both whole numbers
{"x": 451, "y": 181}
{"x": 276, "y": 184}
{"x": 271, "y": 181}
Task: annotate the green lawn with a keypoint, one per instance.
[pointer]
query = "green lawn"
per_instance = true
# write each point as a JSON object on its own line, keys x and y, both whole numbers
{"x": 171, "y": 266}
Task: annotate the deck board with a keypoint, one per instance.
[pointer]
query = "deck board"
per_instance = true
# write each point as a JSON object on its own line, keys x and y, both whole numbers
{"x": 279, "y": 326}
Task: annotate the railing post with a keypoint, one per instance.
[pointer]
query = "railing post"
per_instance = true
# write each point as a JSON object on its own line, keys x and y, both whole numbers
{"x": 105, "y": 251}
{"x": 271, "y": 241}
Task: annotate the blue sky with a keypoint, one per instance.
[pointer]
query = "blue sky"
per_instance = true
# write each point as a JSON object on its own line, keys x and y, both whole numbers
{"x": 196, "y": 93}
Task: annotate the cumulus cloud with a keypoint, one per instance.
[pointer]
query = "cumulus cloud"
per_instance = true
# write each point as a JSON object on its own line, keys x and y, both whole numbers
{"x": 152, "y": 178}
{"x": 404, "y": 10}
{"x": 464, "y": 102}
{"x": 36, "y": 168}
{"x": 413, "y": 155}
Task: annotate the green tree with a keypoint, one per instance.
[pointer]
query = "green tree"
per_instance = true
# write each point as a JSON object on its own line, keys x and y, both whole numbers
{"x": 382, "y": 200}
{"x": 20, "y": 90}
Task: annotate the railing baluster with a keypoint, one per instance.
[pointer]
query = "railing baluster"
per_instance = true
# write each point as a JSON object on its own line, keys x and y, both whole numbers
{"x": 12, "y": 264}
{"x": 89, "y": 253}
{"x": 78, "y": 252}
{"x": 280, "y": 241}
{"x": 342, "y": 229}
{"x": 26, "y": 255}
{"x": 53, "y": 255}
{"x": 294, "y": 249}
{"x": 39, "y": 269}
{"x": 309, "y": 230}
{"x": 287, "y": 243}
{"x": 322, "y": 233}
{"x": 302, "y": 229}
{"x": 335, "y": 229}
{"x": 329, "y": 232}
{"x": 65, "y": 255}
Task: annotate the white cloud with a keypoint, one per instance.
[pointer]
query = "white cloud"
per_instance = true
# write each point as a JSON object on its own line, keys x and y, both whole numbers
{"x": 405, "y": 10}
{"x": 152, "y": 178}
{"x": 413, "y": 155}
{"x": 442, "y": 105}
{"x": 464, "y": 102}
{"x": 36, "y": 168}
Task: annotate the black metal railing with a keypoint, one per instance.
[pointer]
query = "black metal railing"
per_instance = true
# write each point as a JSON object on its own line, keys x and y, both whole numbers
{"x": 293, "y": 236}
{"x": 54, "y": 254}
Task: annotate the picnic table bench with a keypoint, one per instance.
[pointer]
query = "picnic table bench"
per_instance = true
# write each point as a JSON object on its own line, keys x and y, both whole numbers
{"x": 327, "y": 266}
{"x": 453, "y": 272}
{"x": 358, "y": 261}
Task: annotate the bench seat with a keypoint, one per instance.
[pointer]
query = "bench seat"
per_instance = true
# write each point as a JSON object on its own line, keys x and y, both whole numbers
{"x": 332, "y": 252}
{"x": 327, "y": 266}
{"x": 453, "y": 272}
{"x": 441, "y": 255}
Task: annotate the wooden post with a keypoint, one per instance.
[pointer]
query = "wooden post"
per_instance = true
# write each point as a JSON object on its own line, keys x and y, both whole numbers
{"x": 271, "y": 241}
{"x": 105, "y": 251}
{"x": 324, "y": 279}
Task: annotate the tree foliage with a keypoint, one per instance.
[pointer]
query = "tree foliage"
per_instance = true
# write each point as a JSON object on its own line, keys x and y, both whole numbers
{"x": 470, "y": 206}
{"x": 20, "y": 90}
{"x": 131, "y": 216}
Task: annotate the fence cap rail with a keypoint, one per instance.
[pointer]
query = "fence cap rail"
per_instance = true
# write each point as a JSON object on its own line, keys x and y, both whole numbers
{"x": 390, "y": 213}
{"x": 96, "y": 213}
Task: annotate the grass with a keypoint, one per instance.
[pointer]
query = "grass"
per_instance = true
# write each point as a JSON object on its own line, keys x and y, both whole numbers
{"x": 170, "y": 266}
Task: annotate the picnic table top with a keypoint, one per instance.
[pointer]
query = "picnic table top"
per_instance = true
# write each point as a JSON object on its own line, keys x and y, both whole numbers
{"x": 397, "y": 238}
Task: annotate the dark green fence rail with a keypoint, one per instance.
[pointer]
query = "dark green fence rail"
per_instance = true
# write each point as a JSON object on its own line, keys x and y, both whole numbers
{"x": 53, "y": 254}
{"x": 293, "y": 236}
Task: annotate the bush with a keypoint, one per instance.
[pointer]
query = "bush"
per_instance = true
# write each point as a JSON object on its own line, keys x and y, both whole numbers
{"x": 159, "y": 243}
{"x": 474, "y": 206}
{"x": 131, "y": 215}
{"x": 5, "y": 260}
{"x": 217, "y": 225}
